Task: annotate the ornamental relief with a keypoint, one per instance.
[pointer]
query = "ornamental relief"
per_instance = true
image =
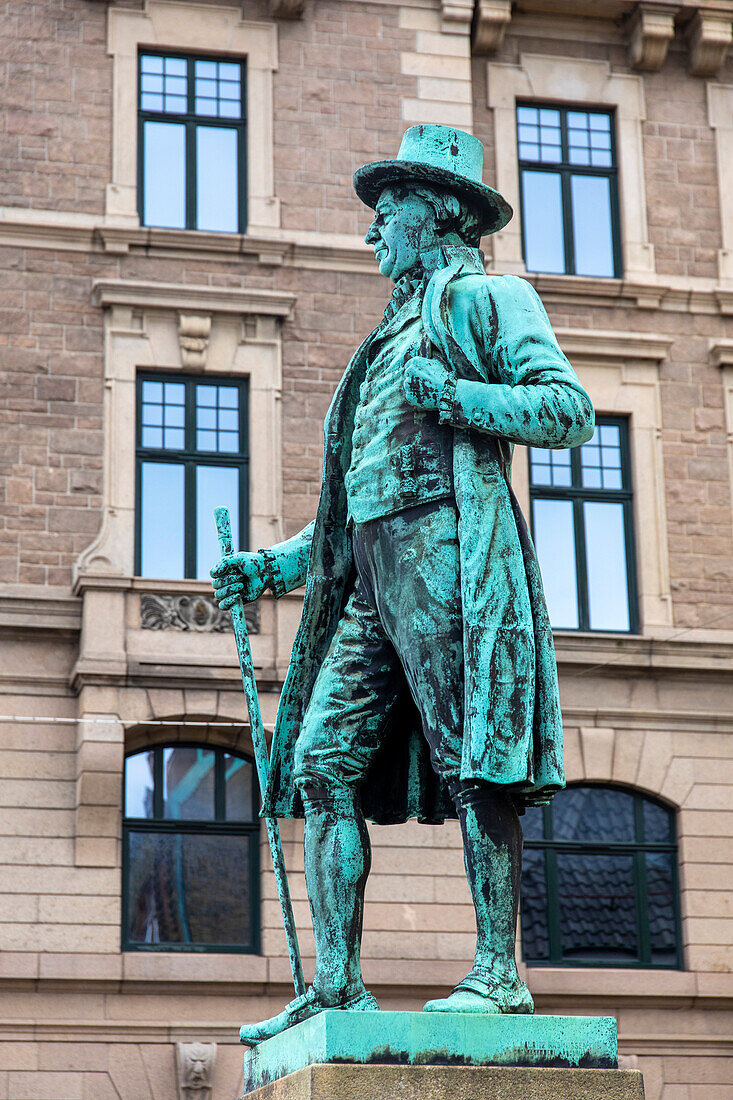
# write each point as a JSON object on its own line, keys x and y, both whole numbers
{"x": 193, "y": 613}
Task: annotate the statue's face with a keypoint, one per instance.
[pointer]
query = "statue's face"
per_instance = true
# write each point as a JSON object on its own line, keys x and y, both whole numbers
{"x": 403, "y": 229}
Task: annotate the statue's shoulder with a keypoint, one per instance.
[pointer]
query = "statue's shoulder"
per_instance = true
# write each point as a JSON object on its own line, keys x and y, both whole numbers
{"x": 477, "y": 287}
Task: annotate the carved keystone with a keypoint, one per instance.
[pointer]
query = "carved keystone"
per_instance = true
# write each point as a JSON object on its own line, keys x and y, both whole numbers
{"x": 651, "y": 29}
{"x": 195, "y": 1064}
{"x": 194, "y": 330}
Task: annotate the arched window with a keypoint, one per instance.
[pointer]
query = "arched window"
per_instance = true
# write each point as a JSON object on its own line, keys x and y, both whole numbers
{"x": 190, "y": 869}
{"x": 599, "y": 881}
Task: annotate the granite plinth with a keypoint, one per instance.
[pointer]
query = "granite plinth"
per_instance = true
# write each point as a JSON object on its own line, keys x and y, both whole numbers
{"x": 453, "y": 1083}
{"x": 433, "y": 1039}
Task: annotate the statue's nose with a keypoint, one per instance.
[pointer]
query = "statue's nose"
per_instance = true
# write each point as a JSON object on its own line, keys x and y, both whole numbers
{"x": 372, "y": 235}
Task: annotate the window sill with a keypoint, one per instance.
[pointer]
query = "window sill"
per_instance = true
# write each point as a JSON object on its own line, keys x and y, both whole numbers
{"x": 626, "y": 984}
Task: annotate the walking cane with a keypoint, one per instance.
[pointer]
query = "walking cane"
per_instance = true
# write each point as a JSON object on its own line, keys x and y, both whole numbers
{"x": 262, "y": 761}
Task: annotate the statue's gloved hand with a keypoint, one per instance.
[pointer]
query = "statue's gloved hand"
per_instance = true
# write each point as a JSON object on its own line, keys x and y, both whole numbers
{"x": 423, "y": 381}
{"x": 242, "y": 574}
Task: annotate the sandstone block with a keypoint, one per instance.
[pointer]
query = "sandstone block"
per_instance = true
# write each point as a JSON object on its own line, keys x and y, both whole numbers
{"x": 453, "y": 1083}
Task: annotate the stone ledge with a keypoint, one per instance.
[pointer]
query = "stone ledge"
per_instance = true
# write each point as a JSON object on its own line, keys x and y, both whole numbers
{"x": 375, "y": 1082}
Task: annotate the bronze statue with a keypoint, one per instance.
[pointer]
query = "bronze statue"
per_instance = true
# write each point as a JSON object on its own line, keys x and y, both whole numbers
{"x": 423, "y": 680}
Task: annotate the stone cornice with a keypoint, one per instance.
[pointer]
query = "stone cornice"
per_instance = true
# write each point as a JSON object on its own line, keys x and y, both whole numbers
{"x": 599, "y": 344}
{"x": 153, "y": 295}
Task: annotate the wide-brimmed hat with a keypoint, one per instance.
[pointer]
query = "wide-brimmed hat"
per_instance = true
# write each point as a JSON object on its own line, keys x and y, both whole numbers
{"x": 437, "y": 155}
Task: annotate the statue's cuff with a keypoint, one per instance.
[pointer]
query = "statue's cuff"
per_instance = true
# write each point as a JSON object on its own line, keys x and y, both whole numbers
{"x": 446, "y": 407}
{"x": 273, "y": 576}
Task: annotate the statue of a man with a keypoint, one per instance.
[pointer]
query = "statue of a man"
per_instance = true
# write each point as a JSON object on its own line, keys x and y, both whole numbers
{"x": 423, "y": 680}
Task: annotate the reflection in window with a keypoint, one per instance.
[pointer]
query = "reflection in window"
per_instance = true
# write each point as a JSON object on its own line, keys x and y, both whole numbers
{"x": 190, "y": 841}
{"x": 567, "y": 169}
{"x": 192, "y": 143}
{"x": 582, "y": 528}
{"x": 192, "y": 458}
{"x": 599, "y": 881}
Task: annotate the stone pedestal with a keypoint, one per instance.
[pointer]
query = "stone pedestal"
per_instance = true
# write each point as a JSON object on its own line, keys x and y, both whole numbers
{"x": 440, "y": 1056}
{"x": 339, "y": 1082}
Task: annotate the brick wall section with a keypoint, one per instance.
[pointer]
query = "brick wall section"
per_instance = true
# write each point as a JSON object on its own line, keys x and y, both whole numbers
{"x": 338, "y": 95}
{"x": 681, "y": 173}
{"x": 50, "y": 411}
{"x": 56, "y": 90}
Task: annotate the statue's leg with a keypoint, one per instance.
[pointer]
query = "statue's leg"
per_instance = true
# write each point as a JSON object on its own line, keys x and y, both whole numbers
{"x": 492, "y": 853}
{"x": 341, "y": 733}
{"x": 338, "y": 857}
{"x": 417, "y": 585}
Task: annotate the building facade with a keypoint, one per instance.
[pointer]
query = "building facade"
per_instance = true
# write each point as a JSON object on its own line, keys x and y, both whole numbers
{"x": 183, "y": 281}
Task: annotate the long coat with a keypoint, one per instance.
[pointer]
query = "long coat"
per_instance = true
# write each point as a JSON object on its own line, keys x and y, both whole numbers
{"x": 521, "y": 389}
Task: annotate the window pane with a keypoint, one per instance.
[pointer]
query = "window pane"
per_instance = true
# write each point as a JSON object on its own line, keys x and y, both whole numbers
{"x": 658, "y": 824}
{"x": 161, "y": 520}
{"x": 605, "y": 543}
{"x": 597, "y": 904}
{"x": 535, "y": 932}
{"x": 188, "y": 888}
{"x": 593, "y": 813}
{"x": 217, "y": 175}
{"x": 216, "y": 487}
{"x": 238, "y": 787}
{"x": 139, "y": 785}
{"x": 554, "y": 539}
{"x": 592, "y": 232}
{"x": 660, "y": 907}
{"x": 164, "y": 174}
{"x": 542, "y": 221}
{"x": 188, "y": 784}
{"x": 533, "y": 823}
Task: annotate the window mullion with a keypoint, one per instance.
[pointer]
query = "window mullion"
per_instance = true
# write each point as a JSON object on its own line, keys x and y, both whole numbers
{"x": 158, "y": 784}
{"x": 219, "y": 786}
{"x": 553, "y": 906}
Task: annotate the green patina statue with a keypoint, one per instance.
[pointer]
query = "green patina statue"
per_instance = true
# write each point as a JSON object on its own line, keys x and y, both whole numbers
{"x": 423, "y": 680}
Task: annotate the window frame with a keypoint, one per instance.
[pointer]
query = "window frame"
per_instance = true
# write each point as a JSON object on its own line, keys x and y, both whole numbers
{"x": 190, "y": 458}
{"x": 190, "y": 120}
{"x": 638, "y": 849}
{"x": 218, "y": 827}
{"x": 578, "y": 495}
{"x": 565, "y": 169}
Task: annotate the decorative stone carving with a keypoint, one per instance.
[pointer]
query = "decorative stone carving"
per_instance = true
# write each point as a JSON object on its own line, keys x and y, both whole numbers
{"x": 709, "y": 35}
{"x": 651, "y": 29}
{"x": 195, "y": 1063}
{"x": 194, "y": 330}
{"x": 287, "y": 9}
{"x": 492, "y": 19}
{"x": 198, "y": 614}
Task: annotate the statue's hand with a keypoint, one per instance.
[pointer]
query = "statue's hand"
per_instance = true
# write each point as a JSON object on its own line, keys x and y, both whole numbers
{"x": 423, "y": 381}
{"x": 237, "y": 575}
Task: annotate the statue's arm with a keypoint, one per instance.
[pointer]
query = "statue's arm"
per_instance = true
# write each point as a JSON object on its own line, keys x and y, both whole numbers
{"x": 286, "y": 563}
{"x": 538, "y": 399}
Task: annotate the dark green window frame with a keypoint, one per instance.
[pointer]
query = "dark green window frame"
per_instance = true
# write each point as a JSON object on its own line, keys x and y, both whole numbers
{"x": 579, "y": 494}
{"x": 191, "y": 121}
{"x": 638, "y": 850}
{"x": 566, "y": 170}
{"x": 218, "y": 827}
{"x": 189, "y": 457}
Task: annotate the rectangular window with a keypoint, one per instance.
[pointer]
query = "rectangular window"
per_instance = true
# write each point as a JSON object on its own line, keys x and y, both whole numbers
{"x": 582, "y": 528}
{"x": 191, "y": 458}
{"x": 569, "y": 193}
{"x": 191, "y": 140}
